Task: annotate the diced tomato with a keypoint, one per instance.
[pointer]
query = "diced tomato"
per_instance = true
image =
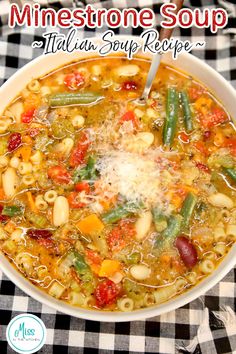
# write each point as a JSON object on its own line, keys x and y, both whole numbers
{"x": 27, "y": 116}
{"x": 206, "y": 135}
{"x": 231, "y": 143}
{"x": 82, "y": 186}
{"x": 195, "y": 92}
{"x": 215, "y": 117}
{"x": 129, "y": 86}
{"x": 129, "y": 116}
{"x": 106, "y": 293}
{"x": 120, "y": 235}
{"x": 79, "y": 152}
{"x": 202, "y": 167}
{"x": 74, "y": 200}
{"x": 74, "y": 80}
{"x": 3, "y": 218}
{"x": 59, "y": 174}
{"x": 93, "y": 257}
{"x": 33, "y": 132}
{"x": 200, "y": 146}
{"x": 46, "y": 242}
{"x": 184, "y": 137}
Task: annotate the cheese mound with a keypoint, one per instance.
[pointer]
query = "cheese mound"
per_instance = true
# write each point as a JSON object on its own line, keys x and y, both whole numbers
{"x": 135, "y": 177}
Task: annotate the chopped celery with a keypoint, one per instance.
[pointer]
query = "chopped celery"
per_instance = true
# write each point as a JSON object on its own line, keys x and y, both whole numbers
{"x": 39, "y": 221}
{"x": 159, "y": 219}
{"x": 62, "y": 127}
{"x": 3, "y": 145}
{"x": 13, "y": 210}
{"x": 133, "y": 290}
{"x": 133, "y": 258}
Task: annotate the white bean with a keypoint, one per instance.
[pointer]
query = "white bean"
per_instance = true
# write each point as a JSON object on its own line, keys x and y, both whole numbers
{"x": 16, "y": 110}
{"x": 146, "y": 138}
{"x": 3, "y": 161}
{"x": 143, "y": 224}
{"x": 14, "y": 162}
{"x": 60, "y": 211}
{"x": 36, "y": 158}
{"x": 78, "y": 121}
{"x": 127, "y": 70}
{"x": 140, "y": 271}
{"x": 221, "y": 200}
{"x": 9, "y": 182}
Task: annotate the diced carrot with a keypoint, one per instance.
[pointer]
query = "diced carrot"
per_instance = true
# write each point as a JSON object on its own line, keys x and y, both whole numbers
{"x": 31, "y": 202}
{"x": 95, "y": 268}
{"x": 24, "y": 152}
{"x": 203, "y": 105}
{"x": 2, "y": 195}
{"x": 90, "y": 225}
{"x": 27, "y": 140}
{"x": 200, "y": 146}
{"x": 165, "y": 258}
{"x": 184, "y": 137}
{"x": 109, "y": 267}
{"x": 176, "y": 200}
{"x": 10, "y": 226}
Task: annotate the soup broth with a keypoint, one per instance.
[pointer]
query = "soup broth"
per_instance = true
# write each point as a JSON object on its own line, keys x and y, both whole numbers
{"x": 109, "y": 205}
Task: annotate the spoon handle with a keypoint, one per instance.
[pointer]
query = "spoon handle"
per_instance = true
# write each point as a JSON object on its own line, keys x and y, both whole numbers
{"x": 165, "y": 33}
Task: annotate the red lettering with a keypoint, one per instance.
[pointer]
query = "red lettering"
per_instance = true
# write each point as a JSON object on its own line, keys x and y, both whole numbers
{"x": 165, "y": 12}
{"x": 18, "y": 17}
{"x": 130, "y": 17}
{"x": 64, "y": 18}
{"x": 78, "y": 15}
{"x": 90, "y": 11}
{"x": 113, "y": 18}
{"x": 101, "y": 12}
{"x": 185, "y": 18}
{"x": 146, "y": 18}
{"x": 48, "y": 16}
{"x": 219, "y": 19}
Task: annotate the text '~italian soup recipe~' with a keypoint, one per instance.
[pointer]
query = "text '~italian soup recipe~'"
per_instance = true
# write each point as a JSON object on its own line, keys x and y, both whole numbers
{"x": 106, "y": 204}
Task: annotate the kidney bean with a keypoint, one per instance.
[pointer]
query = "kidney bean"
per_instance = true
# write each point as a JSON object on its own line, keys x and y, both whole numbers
{"x": 187, "y": 251}
{"x": 129, "y": 86}
{"x": 14, "y": 141}
{"x": 39, "y": 233}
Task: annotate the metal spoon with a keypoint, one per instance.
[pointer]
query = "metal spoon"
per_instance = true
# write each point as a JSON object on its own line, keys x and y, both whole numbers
{"x": 165, "y": 33}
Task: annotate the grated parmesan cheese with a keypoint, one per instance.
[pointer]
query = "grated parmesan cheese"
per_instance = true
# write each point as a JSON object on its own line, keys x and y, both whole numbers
{"x": 136, "y": 177}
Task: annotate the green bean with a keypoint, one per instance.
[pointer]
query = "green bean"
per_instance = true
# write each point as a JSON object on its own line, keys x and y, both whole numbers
{"x": 70, "y": 99}
{"x": 172, "y": 230}
{"x": 84, "y": 272}
{"x": 12, "y": 210}
{"x": 159, "y": 219}
{"x": 80, "y": 265}
{"x": 188, "y": 119}
{"x": 88, "y": 172}
{"x": 120, "y": 212}
{"x": 187, "y": 209}
{"x": 173, "y": 227}
{"x": 231, "y": 172}
{"x": 170, "y": 124}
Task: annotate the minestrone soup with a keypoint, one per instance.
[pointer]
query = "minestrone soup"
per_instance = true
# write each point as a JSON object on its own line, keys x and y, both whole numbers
{"x": 107, "y": 204}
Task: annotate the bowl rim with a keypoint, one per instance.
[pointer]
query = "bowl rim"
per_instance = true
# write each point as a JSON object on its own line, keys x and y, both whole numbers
{"x": 107, "y": 316}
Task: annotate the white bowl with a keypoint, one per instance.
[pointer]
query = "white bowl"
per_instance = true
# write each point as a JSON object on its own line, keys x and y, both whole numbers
{"x": 186, "y": 62}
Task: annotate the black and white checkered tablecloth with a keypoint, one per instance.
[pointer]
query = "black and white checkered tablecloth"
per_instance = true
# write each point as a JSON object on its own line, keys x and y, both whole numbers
{"x": 206, "y": 325}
